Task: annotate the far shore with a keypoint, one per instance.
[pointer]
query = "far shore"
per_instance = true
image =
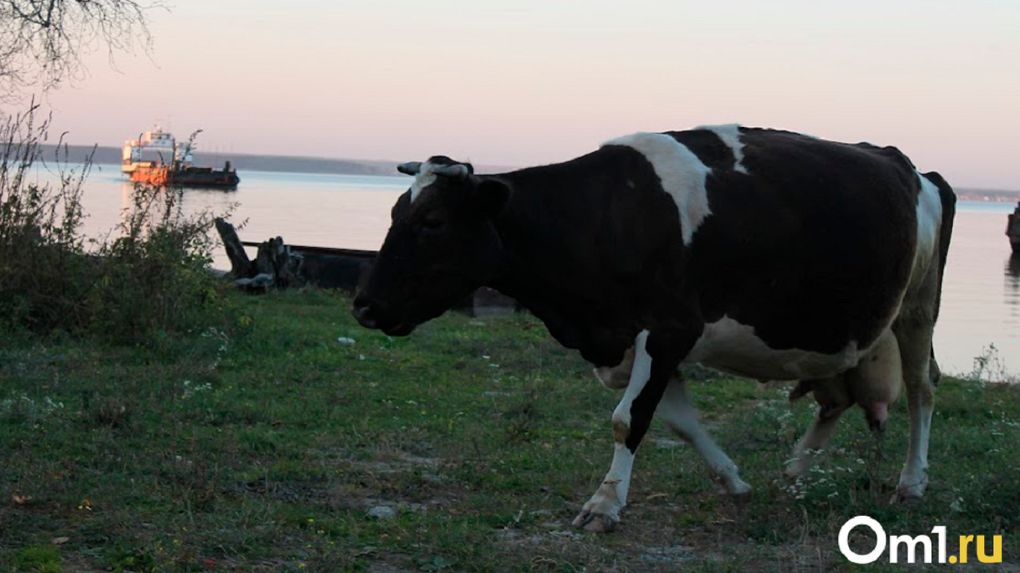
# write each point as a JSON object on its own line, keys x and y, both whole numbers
{"x": 334, "y": 166}
{"x": 105, "y": 155}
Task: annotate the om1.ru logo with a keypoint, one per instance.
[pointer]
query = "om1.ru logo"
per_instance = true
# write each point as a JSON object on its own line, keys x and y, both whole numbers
{"x": 911, "y": 544}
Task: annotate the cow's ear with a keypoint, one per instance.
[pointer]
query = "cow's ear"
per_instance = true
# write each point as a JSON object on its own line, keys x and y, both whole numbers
{"x": 492, "y": 195}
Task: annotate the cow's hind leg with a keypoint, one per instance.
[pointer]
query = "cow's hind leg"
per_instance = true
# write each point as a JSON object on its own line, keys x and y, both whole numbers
{"x": 678, "y": 412}
{"x": 914, "y": 336}
{"x": 617, "y": 377}
{"x": 816, "y": 438}
{"x": 913, "y": 329}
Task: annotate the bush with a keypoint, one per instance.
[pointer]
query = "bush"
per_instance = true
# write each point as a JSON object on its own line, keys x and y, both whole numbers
{"x": 40, "y": 251}
{"x": 150, "y": 281}
{"x": 155, "y": 278}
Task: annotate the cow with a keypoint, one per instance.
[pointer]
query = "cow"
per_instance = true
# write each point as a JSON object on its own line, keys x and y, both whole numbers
{"x": 757, "y": 252}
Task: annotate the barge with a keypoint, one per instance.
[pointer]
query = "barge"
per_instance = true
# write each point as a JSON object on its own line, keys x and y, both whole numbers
{"x": 156, "y": 158}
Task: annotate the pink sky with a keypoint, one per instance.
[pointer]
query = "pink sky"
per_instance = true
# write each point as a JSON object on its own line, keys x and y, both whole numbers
{"x": 539, "y": 81}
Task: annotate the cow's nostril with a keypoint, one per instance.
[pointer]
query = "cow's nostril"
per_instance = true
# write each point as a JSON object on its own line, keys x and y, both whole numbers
{"x": 365, "y": 314}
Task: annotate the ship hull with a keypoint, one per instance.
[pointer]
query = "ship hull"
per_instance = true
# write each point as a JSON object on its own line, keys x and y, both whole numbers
{"x": 204, "y": 177}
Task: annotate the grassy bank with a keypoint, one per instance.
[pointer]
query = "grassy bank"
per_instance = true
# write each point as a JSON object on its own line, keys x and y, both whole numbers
{"x": 272, "y": 445}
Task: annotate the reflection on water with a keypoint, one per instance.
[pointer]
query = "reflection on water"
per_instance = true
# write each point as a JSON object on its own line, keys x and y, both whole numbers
{"x": 1011, "y": 294}
{"x": 981, "y": 289}
{"x": 980, "y": 292}
{"x": 1013, "y": 270}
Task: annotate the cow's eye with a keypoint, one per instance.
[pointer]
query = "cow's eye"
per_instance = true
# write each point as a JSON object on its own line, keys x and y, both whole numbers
{"x": 433, "y": 223}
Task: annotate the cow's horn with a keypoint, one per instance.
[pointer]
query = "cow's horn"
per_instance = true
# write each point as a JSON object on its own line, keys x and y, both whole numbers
{"x": 411, "y": 168}
{"x": 456, "y": 170}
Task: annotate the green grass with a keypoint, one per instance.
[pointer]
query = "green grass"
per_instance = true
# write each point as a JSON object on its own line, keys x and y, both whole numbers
{"x": 264, "y": 447}
{"x": 41, "y": 558}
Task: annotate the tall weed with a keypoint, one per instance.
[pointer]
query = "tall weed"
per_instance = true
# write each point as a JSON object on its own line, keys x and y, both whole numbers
{"x": 42, "y": 269}
{"x": 147, "y": 282}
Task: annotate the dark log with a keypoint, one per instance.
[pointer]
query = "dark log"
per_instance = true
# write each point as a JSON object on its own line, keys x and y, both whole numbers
{"x": 274, "y": 265}
{"x": 264, "y": 259}
{"x": 287, "y": 265}
{"x": 240, "y": 266}
{"x": 274, "y": 258}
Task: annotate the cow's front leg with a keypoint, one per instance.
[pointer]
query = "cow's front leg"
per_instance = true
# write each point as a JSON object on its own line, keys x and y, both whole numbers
{"x": 631, "y": 419}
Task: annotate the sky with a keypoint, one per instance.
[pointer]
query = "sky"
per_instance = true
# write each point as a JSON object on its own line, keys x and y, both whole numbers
{"x": 528, "y": 82}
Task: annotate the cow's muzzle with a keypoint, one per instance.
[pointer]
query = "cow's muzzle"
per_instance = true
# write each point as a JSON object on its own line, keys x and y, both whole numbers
{"x": 374, "y": 314}
{"x": 367, "y": 311}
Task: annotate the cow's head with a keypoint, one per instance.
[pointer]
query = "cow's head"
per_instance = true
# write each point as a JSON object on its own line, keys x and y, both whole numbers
{"x": 441, "y": 246}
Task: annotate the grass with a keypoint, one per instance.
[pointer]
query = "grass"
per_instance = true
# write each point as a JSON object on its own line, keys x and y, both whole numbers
{"x": 270, "y": 445}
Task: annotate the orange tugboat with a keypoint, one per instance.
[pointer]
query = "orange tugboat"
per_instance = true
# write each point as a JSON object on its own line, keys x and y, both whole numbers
{"x": 157, "y": 158}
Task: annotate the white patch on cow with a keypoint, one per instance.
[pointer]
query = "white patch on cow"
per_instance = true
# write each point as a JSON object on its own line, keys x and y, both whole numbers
{"x": 929, "y": 221}
{"x": 730, "y": 135}
{"x": 423, "y": 179}
{"x": 680, "y": 172}
{"x": 733, "y": 347}
{"x": 639, "y": 375}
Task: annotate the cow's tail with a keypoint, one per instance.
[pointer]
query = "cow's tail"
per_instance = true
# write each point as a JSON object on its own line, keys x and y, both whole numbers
{"x": 948, "y": 198}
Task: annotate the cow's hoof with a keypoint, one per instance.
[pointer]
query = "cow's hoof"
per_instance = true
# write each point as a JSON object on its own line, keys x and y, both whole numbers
{"x": 796, "y": 468}
{"x": 906, "y": 498}
{"x": 737, "y": 489}
{"x": 595, "y": 522}
{"x": 740, "y": 495}
{"x": 910, "y": 494}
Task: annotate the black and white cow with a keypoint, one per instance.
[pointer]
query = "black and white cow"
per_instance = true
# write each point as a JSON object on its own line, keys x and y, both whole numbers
{"x": 763, "y": 253}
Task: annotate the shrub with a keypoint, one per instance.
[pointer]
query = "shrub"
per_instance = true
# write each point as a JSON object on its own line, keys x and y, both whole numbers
{"x": 154, "y": 278}
{"x": 150, "y": 281}
{"x": 40, "y": 250}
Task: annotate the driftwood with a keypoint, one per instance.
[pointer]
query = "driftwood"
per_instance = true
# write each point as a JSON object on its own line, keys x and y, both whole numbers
{"x": 274, "y": 264}
{"x": 240, "y": 266}
{"x": 274, "y": 258}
